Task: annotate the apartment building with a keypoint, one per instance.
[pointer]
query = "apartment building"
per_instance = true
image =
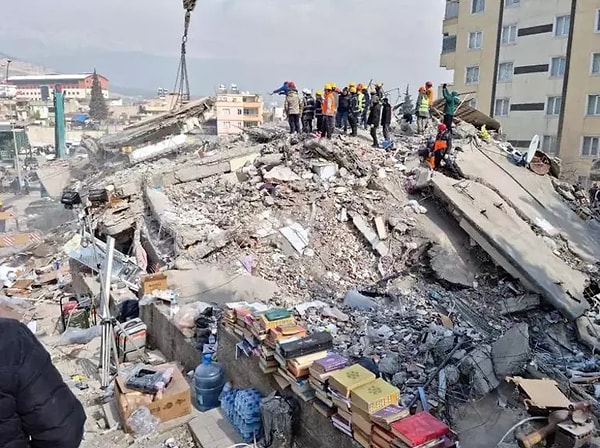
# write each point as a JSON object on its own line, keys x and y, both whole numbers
{"x": 41, "y": 87}
{"x": 534, "y": 65}
{"x": 237, "y": 110}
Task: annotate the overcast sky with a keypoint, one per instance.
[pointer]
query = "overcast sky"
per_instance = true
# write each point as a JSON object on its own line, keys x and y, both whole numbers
{"x": 394, "y": 41}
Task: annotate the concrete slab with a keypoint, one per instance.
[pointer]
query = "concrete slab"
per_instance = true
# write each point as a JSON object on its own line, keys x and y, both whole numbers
{"x": 511, "y": 352}
{"x": 492, "y": 168}
{"x": 212, "y": 430}
{"x": 511, "y": 242}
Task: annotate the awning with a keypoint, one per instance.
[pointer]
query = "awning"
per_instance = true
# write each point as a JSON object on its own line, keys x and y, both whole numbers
{"x": 79, "y": 118}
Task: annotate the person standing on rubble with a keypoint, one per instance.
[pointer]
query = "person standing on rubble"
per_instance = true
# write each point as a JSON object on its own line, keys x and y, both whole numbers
{"x": 283, "y": 90}
{"x": 422, "y": 111}
{"x": 329, "y": 110}
{"x": 319, "y": 111}
{"x": 355, "y": 111}
{"x": 452, "y": 103}
{"x": 308, "y": 111}
{"x": 343, "y": 110}
{"x": 430, "y": 95}
{"x": 379, "y": 92}
{"x": 37, "y": 408}
{"x": 366, "y": 106}
{"x": 374, "y": 119}
{"x": 293, "y": 108}
{"x": 386, "y": 118}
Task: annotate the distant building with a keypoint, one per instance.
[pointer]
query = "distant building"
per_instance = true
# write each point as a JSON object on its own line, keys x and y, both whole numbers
{"x": 237, "y": 110}
{"x": 41, "y": 87}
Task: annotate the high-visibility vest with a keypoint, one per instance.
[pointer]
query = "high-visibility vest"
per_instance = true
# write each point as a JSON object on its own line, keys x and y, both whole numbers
{"x": 423, "y": 103}
{"x": 361, "y": 101}
{"x": 440, "y": 145}
{"x": 329, "y": 105}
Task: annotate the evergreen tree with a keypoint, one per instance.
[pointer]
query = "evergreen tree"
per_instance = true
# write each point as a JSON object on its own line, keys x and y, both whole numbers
{"x": 98, "y": 108}
{"x": 407, "y": 104}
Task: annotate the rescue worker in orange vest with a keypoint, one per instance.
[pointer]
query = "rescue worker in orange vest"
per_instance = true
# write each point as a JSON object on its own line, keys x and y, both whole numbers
{"x": 329, "y": 108}
{"x": 441, "y": 145}
{"x": 429, "y": 92}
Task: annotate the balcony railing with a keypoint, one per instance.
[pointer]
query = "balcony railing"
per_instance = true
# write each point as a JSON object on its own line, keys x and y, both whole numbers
{"x": 451, "y": 10}
{"x": 449, "y": 44}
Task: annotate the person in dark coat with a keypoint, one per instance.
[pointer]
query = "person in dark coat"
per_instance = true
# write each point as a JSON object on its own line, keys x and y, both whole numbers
{"x": 344, "y": 105}
{"x": 386, "y": 118}
{"x": 308, "y": 111}
{"x": 367, "y": 107}
{"x": 374, "y": 119}
{"x": 37, "y": 409}
{"x": 319, "y": 111}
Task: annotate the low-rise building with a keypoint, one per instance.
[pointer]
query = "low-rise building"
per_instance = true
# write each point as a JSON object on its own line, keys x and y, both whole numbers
{"x": 41, "y": 87}
{"x": 237, "y": 110}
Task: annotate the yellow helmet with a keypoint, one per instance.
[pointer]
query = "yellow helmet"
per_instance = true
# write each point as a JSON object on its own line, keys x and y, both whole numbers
{"x": 351, "y": 84}
{"x": 318, "y": 93}
{"x": 333, "y": 85}
{"x": 328, "y": 86}
{"x": 352, "y": 89}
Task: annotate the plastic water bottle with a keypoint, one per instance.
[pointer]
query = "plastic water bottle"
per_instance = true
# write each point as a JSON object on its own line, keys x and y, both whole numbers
{"x": 209, "y": 378}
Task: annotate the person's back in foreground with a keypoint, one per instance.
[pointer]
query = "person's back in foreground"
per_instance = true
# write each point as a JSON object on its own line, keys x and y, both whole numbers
{"x": 37, "y": 409}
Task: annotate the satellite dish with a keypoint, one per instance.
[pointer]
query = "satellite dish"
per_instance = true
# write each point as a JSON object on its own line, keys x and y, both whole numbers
{"x": 533, "y": 147}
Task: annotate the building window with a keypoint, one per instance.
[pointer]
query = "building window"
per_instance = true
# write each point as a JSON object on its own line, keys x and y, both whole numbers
{"x": 475, "y": 39}
{"x": 593, "y": 105}
{"x": 558, "y": 66}
{"x": 590, "y": 146}
{"x": 553, "y": 105}
{"x": 477, "y": 6}
{"x": 505, "y": 72}
{"x": 596, "y": 64}
{"x": 473, "y": 103}
{"x": 226, "y": 111}
{"x": 561, "y": 28}
{"x": 472, "y": 75}
{"x": 501, "y": 107}
{"x": 511, "y": 3}
{"x": 550, "y": 144}
{"x": 449, "y": 44}
{"x": 509, "y": 34}
{"x": 598, "y": 21}
{"x": 240, "y": 111}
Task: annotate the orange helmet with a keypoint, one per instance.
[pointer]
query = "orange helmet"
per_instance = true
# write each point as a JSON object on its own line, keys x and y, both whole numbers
{"x": 359, "y": 87}
{"x": 421, "y": 89}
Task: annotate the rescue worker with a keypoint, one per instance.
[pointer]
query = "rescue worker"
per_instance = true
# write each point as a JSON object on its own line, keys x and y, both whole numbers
{"x": 366, "y": 107}
{"x": 361, "y": 101}
{"x": 308, "y": 111}
{"x": 293, "y": 108}
{"x": 429, "y": 91}
{"x": 441, "y": 145}
{"x": 379, "y": 91}
{"x": 422, "y": 111}
{"x": 329, "y": 109}
{"x": 452, "y": 102}
{"x": 374, "y": 119}
{"x": 343, "y": 110}
{"x": 319, "y": 111}
{"x": 283, "y": 90}
{"x": 355, "y": 111}
{"x": 386, "y": 118}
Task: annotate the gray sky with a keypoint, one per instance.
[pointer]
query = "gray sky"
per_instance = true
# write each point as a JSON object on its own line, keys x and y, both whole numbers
{"x": 312, "y": 41}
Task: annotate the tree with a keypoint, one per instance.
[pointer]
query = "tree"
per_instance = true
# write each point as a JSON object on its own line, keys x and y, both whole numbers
{"x": 407, "y": 104}
{"x": 98, "y": 108}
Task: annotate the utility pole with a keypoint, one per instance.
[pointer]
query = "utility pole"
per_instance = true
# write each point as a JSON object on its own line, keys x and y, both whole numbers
{"x": 17, "y": 161}
{"x": 8, "y": 61}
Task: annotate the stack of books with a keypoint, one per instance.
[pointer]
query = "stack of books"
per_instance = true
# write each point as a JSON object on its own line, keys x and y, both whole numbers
{"x": 341, "y": 385}
{"x": 319, "y": 373}
{"x": 267, "y": 362}
{"x": 284, "y": 333}
{"x": 367, "y": 400}
{"x": 421, "y": 430}
{"x": 381, "y": 430}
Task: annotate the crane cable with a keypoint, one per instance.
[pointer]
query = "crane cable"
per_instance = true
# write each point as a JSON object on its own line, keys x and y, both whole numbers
{"x": 182, "y": 77}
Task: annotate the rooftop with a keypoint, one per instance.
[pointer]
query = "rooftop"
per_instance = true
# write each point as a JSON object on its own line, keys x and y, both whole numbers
{"x": 52, "y": 77}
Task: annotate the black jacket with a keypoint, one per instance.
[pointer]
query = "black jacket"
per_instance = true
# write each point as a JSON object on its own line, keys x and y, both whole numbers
{"x": 344, "y": 103}
{"x": 374, "y": 115}
{"x": 386, "y": 114}
{"x": 308, "y": 111}
{"x": 35, "y": 402}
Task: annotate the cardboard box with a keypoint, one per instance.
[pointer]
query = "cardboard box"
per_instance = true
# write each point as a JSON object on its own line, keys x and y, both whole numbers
{"x": 176, "y": 400}
{"x": 153, "y": 282}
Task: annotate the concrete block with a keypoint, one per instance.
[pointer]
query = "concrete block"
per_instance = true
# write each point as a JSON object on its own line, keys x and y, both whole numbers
{"x": 370, "y": 235}
{"x": 111, "y": 414}
{"x": 511, "y": 352}
{"x": 479, "y": 367}
{"x": 195, "y": 172}
{"x": 238, "y": 162}
{"x": 325, "y": 170}
{"x": 381, "y": 227}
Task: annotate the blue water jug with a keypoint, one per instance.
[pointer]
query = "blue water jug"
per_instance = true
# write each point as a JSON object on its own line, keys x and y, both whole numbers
{"x": 209, "y": 379}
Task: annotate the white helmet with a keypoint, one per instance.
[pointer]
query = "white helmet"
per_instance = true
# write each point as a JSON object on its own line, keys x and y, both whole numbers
{"x": 306, "y": 91}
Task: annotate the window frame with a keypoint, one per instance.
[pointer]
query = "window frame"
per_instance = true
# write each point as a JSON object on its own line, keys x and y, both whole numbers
{"x": 473, "y": 103}
{"x": 507, "y": 107}
{"x": 597, "y": 106}
{"x": 515, "y": 4}
{"x": 554, "y": 98}
{"x": 480, "y": 40}
{"x": 597, "y": 22}
{"x": 467, "y": 73}
{"x": 592, "y": 137}
{"x": 512, "y": 71}
{"x": 592, "y": 72}
{"x": 473, "y": 3}
{"x": 563, "y": 58}
{"x": 555, "y": 144}
{"x": 556, "y": 19}
{"x": 514, "y": 42}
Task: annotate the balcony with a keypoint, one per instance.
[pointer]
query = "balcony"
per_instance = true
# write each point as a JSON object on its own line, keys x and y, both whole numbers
{"x": 449, "y": 44}
{"x": 451, "y": 10}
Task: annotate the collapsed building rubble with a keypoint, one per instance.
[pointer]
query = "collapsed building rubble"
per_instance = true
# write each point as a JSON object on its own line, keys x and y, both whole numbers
{"x": 416, "y": 270}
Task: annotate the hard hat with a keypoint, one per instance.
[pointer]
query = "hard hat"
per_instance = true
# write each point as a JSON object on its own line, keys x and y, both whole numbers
{"x": 442, "y": 127}
{"x": 318, "y": 93}
{"x": 359, "y": 87}
{"x": 378, "y": 84}
{"x": 421, "y": 89}
{"x": 328, "y": 86}
{"x": 333, "y": 85}
{"x": 352, "y": 89}
{"x": 306, "y": 91}
{"x": 429, "y": 84}
{"x": 291, "y": 85}
{"x": 351, "y": 84}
